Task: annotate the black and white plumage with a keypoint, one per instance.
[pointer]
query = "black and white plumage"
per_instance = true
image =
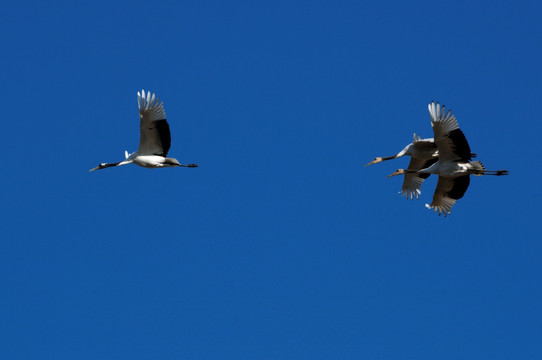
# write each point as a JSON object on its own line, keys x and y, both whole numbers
{"x": 423, "y": 153}
{"x": 453, "y": 166}
{"x": 155, "y": 137}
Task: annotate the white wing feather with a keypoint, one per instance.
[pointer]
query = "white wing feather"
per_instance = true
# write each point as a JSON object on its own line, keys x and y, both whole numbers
{"x": 155, "y": 137}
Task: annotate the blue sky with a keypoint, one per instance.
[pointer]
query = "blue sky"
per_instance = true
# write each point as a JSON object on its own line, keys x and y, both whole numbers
{"x": 281, "y": 245}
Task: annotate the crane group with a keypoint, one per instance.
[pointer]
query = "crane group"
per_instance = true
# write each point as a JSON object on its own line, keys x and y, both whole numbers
{"x": 447, "y": 155}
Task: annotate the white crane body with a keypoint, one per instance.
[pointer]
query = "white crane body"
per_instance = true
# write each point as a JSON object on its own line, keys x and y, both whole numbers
{"x": 155, "y": 137}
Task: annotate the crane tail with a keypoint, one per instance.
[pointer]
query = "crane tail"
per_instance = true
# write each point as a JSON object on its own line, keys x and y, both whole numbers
{"x": 477, "y": 165}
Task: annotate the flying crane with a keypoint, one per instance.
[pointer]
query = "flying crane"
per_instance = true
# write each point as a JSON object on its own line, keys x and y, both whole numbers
{"x": 423, "y": 153}
{"x": 155, "y": 137}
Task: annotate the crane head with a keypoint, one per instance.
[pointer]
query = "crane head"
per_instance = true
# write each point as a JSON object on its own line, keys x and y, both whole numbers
{"x": 375, "y": 161}
{"x": 398, "y": 172}
{"x": 101, "y": 166}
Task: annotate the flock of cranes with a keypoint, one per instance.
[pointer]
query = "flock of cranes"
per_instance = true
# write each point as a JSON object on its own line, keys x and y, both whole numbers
{"x": 447, "y": 155}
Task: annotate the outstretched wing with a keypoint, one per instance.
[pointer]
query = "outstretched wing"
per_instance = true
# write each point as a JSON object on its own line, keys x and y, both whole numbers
{"x": 451, "y": 142}
{"x": 448, "y": 191}
{"x": 413, "y": 182}
{"x": 155, "y": 138}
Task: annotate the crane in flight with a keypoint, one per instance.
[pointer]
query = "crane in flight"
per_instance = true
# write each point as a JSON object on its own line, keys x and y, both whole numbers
{"x": 453, "y": 166}
{"x": 423, "y": 153}
{"x": 155, "y": 137}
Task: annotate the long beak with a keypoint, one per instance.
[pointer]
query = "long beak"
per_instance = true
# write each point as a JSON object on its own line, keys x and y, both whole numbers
{"x": 398, "y": 172}
{"x": 375, "y": 161}
{"x": 96, "y": 168}
{"x": 189, "y": 165}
